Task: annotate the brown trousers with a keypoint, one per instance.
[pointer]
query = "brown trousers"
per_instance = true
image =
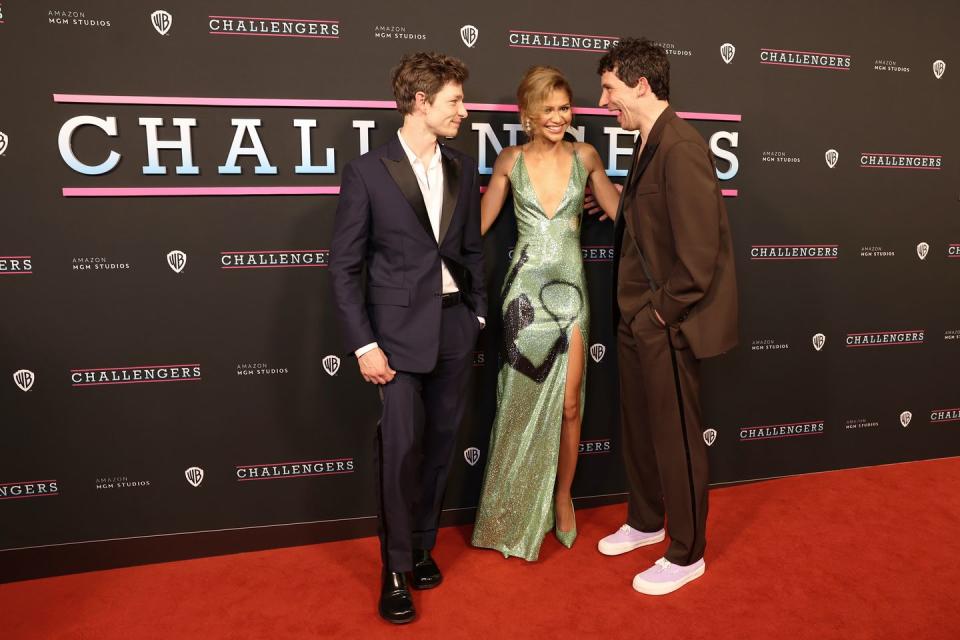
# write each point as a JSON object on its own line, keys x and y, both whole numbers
{"x": 663, "y": 448}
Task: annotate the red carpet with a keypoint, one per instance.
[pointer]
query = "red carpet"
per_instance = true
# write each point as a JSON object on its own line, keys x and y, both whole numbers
{"x": 869, "y": 553}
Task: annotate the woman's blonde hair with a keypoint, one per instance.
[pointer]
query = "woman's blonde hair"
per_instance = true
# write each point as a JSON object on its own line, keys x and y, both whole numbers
{"x": 535, "y": 88}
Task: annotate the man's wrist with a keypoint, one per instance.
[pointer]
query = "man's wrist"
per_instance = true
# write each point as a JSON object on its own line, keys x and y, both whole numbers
{"x": 365, "y": 349}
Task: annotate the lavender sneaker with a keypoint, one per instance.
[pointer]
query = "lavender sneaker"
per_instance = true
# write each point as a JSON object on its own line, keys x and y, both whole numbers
{"x": 664, "y": 577}
{"x": 626, "y": 538}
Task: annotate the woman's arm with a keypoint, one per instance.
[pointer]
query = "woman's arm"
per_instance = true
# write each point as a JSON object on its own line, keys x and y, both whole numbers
{"x": 496, "y": 193}
{"x": 605, "y": 192}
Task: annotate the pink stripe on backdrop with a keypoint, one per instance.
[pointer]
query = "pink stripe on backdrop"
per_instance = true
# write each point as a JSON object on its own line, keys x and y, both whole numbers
{"x": 107, "y": 192}
{"x": 223, "y": 253}
{"x": 273, "y": 464}
{"x": 15, "y": 273}
{"x": 813, "y": 53}
{"x": 301, "y": 475}
{"x": 799, "y": 258}
{"x": 810, "y": 66}
{"x": 686, "y": 115}
{"x": 278, "y": 266}
{"x": 785, "y": 424}
{"x": 15, "y": 257}
{"x": 877, "y": 166}
{"x": 696, "y": 115}
{"x": 277, "y": 19}
{"x": 531, "y": 46}
{"x": 69, "y": 192}
{"x": 273, "y": 35}
{"x": 936, "y": 421}
{"x": 796, "y": 245}
{"x": 101, "y": 384}
{"x": 224, "y": 102}
{"x": 70, "y": 98}
{"x": 576, "y": 35}
{"x": 792, "y": 435}
{"x": 7, "y": 484}
{"x": 141, "y": 366}
{"x": 868, "y": 333}
{"x": 912, "y": 155}
{"x": 882, "y": 344}
{"x": 490, "y": 106}
{"x": 36, "y": 495}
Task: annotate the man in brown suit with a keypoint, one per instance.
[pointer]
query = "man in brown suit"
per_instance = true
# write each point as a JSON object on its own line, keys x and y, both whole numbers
{"x": 677, "y": 301}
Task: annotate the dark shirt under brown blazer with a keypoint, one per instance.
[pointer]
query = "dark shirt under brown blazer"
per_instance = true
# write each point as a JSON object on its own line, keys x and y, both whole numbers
{"x": 673, "y": 209}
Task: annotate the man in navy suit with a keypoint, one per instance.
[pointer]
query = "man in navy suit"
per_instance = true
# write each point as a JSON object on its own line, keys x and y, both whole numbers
{"x": 409, "y": 212}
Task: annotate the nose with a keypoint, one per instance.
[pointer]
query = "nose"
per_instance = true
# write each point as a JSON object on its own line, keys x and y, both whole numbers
{"x": 603, "y": 98}
{"x": 463, "y": 111}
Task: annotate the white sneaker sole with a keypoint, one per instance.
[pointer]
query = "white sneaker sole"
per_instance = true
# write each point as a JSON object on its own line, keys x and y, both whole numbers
{"x": 663, "y": 588}
{"x": 617, "y": 548}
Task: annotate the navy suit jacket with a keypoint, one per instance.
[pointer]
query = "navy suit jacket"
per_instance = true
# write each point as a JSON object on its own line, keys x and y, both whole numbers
{"x": 382, "y": 224}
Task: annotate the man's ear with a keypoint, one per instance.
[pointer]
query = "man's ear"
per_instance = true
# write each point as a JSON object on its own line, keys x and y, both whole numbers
{"x": 420, "y": 100}
{"x": 643, "y": 87}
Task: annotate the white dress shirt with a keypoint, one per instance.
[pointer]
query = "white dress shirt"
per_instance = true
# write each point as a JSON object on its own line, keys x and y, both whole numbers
{"x": 430, "y": 179}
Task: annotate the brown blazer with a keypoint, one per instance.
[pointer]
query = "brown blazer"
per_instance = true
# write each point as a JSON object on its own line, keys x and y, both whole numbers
{"x": 673, "y": 211}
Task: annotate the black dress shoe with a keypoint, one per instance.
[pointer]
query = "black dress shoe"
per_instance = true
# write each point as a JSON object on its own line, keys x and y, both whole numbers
{"x": 426, "y": 573}
{"x": 396, "y": 605}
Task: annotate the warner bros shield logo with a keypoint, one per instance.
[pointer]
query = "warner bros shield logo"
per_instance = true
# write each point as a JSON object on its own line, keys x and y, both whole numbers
{"x": 597, "y": 351}
{"x": 4, "y": 141}
{"x": 905, "y": 418}
{"x": 469, "y": 34}
{"x": 472, "y": 456}
{"x": 939, "y": 66}
{"x": 161, "y": 21}
{"x": 24, "y": 379}
{"x": 818, "y": 341}
{"x": 831, "y": 156}
{"x": 710, "y": 436}
{"x": 922, "y": 250}
{"x": 177, "y": 260}
{"x": 194, "y": 476}
{"x": 331, "y": 364}
{"x": 727, "y": 51}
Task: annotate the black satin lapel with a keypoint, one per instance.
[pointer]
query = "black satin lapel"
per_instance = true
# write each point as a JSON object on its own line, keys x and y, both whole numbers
{"x": 451, "y": 191}
{"x": 402, "y": 173}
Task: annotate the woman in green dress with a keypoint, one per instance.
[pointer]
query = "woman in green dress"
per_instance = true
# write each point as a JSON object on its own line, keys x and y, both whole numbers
{"x": 540, "y": 387}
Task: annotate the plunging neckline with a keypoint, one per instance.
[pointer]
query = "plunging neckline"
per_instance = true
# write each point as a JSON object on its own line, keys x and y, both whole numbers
{"x": 533, "y": 187}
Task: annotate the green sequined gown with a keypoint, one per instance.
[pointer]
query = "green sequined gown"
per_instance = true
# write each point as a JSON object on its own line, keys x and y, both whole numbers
{"x": 544, "y": 297}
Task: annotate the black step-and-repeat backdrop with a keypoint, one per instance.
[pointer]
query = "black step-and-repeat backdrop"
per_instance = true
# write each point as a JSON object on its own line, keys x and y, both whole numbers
{"x": 173, "y": 382}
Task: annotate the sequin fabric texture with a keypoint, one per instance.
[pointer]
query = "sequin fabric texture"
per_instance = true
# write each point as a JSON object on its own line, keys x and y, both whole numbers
{"x": 545, "y": 297}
